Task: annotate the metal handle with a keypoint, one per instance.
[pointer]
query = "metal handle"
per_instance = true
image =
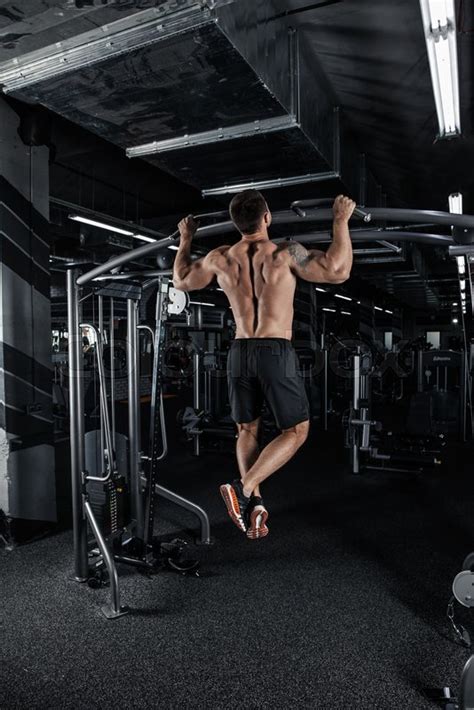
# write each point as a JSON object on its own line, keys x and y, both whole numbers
{"x": 103, "y": 405}
{"x": 299, "y": 206}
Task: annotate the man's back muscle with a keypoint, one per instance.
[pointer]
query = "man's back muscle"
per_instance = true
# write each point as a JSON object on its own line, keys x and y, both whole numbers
{"x": 260, "y": 286}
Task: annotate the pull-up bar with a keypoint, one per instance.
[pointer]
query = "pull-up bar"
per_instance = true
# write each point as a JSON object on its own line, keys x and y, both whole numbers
{"x": 309, "y": 215}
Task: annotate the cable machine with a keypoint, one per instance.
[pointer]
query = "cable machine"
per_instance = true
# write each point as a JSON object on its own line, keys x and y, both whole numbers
{"x": 117, "y": 504}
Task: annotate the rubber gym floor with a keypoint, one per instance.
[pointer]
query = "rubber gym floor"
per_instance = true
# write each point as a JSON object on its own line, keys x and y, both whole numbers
{"x": 342, "y": 606}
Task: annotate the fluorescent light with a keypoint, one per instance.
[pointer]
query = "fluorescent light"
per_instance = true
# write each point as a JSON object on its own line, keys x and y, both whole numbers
{"x": 329, "y": 310}
{"x": 220, "y": 289}
{"x": 455, "y": 203}
{"x": 101, "y": 225}
{"x": 377, "y": 308}
{"x": 199, "y": 303}
{"x": 323, "y": 290}
{"x": 346, "y": 313}
{"x": 462, "y": 284}
{"x": 455, "y": 305}
{"x": 142, "y": 238}
{"x": 455, "y": 320}
{"x": 173, "y": 247}
{"x": 339, "y": 295}
{"x": 439, "y": 22}
{"x": 389, "y": 312}
{"x": 461, "y": 265}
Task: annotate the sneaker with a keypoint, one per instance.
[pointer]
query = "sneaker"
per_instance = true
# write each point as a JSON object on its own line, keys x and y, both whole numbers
{"x": 236, "y": 502}
{"x": 257, "y": 516}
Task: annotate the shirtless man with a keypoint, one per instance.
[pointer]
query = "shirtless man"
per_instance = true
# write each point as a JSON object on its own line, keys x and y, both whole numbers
{"x": 259, "y": 279}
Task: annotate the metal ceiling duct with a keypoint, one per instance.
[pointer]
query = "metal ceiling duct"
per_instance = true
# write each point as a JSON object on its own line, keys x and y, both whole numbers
{"x": 219, "y": 94}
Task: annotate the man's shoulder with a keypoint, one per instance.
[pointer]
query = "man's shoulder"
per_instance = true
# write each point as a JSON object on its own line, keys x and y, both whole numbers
{"x": 216, "y": 255}
{"x": 291, "y": 248}
{"x": 219, "y": 251}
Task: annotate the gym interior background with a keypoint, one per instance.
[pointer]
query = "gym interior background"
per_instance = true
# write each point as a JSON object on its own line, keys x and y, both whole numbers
{"x": 123, "y": 582}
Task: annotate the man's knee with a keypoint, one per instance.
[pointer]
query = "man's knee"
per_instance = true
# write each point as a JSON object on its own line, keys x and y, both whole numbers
{"x": 249, "y": 427}
{"x": 300, "y": 432}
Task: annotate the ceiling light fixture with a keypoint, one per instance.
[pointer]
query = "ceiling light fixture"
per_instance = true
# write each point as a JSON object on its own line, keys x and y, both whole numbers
{"x": 329, "y": 310}
{"x": 346, "y": 298}
{"x": 439, "y": 23}
{"x": 101, "y": 225}
{"x": 461, "y": 265}
{"x": 455, "y": 203}
{"x": 142, "y": 238}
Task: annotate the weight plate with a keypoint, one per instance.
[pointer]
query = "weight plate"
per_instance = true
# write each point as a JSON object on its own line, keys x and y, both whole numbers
{"x": 463, "y": 588}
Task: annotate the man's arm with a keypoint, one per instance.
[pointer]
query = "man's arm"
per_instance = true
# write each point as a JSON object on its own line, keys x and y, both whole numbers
{"x": 190, "y": 275}
{"x": 334, "y": 265}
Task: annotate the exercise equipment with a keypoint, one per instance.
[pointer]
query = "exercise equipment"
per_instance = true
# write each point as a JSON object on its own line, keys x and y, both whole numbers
{"x": 307, "y": 215}
{"x": 372, "y": 448}
{"x": 439, "y": 406}
{"x": 114, "y": 482}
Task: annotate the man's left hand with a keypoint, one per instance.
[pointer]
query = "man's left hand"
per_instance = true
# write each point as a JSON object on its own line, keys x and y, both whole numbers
{"x": 187, "y": 227}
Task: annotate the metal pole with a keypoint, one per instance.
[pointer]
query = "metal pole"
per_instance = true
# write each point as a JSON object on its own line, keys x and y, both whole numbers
{"x": 463, "y": 396}
{"x": 76, "y": 415}
{"x": 205, "y": 538}
{"x": 420, "y": 371}
{"x": 356, "y": 397}
{"x": 112, "y": 368}
{"x": 133, "y": 418}
{"x": 197, "y": 396}
{"x": 115, "y": 609}
{"x": 326, "y": 403}
{"x": 100, "y": 354}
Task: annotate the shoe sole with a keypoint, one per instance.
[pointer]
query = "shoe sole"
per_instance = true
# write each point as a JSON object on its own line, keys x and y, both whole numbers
{"x": 257, "y": 528}
{"x": 232, "y": 504}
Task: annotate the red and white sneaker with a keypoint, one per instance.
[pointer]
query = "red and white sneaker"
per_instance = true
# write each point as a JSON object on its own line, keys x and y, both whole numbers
{"x": 257, "y": 518}
{"x": 236, "y": 503}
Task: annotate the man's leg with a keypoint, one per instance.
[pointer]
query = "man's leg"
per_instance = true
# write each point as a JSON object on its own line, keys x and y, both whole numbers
{"x": 248, "y": 448}
{"x": 275, "y": 455}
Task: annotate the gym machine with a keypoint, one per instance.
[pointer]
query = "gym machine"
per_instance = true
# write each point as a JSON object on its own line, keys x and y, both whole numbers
{"x": 117, "y": 502}
{"x": 441, "y": 397}
{"x": 363, "y": 434}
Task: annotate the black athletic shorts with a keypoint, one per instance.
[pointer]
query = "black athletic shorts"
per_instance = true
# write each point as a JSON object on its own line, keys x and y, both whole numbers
{"x": 266, "y": 369}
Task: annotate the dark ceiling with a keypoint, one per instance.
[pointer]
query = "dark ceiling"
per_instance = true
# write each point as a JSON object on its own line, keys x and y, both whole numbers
{"x": 367, "y": 58}
{"x": 374, "y": 56}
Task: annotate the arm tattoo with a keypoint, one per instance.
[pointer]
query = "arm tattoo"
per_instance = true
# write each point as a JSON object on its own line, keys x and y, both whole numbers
{"x": 299, "y": 254}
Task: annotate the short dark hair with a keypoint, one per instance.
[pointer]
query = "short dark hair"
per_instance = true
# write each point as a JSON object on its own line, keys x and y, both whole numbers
{"x": 247, "y": 209}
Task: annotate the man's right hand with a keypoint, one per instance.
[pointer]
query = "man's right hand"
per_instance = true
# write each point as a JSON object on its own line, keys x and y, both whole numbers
{"x": 343, "y": 208}
{"x": 187, "y": 227}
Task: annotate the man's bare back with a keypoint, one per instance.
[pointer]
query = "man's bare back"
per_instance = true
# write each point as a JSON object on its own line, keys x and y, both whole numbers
{"x": 260, "y": 285}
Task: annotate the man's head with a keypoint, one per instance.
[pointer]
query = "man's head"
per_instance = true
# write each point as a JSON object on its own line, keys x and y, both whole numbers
{"x": 249, "y": 212}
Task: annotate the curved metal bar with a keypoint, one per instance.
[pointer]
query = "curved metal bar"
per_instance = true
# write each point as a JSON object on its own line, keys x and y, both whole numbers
{"x": 376, "y": 235}
{"x": 445, "y": 219}
{"x": 116, "y": 609}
